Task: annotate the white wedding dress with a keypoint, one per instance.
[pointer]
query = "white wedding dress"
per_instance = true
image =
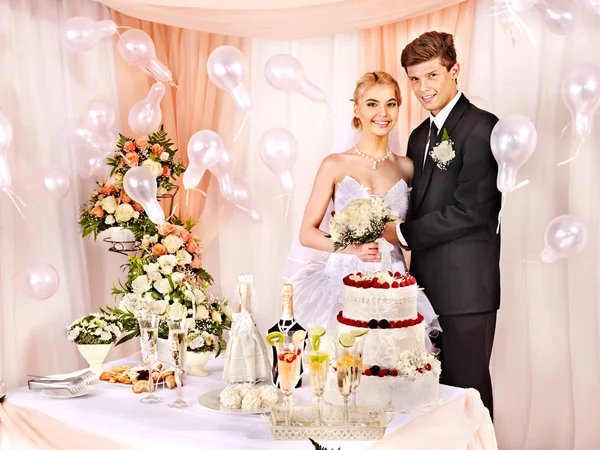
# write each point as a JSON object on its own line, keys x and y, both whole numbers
{"x": 318, "y": 285}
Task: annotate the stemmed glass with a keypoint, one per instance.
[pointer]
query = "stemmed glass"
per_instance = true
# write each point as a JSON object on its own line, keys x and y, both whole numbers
{"x": 318, "y": 363}
{"x": 178, "y": 346}
{"x": 357, "y": 371}
{"x": 289, "y": 359}
{"x": 149, "y": 347}
{"x": 349, "y": 363}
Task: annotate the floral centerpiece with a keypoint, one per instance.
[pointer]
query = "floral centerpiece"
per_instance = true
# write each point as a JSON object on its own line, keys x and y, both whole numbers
{"x": 199, "y": 341}
{"x": 109, "y": 205}
{"x": 213, "y": 316}
{"x": 165, "y": 278}
{"x": 361, "y": 221}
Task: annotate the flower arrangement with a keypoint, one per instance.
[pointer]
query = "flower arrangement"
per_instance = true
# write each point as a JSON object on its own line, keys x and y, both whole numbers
{"x": 360, "y": 221}
{"x": 95, "y": 329}
{"x": 213, "y": 316}
{"x": 414, "y": 363}
{"x": 200, "y": 341}
{"x": 109, "y": 205}
{"x": 165, "y": 278}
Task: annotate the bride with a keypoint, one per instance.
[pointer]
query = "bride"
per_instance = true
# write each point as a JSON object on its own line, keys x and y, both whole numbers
{"x": 367, "y": 169}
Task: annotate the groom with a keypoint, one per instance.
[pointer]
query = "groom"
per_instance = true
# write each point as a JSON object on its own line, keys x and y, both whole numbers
{"x": 452, "y": 227}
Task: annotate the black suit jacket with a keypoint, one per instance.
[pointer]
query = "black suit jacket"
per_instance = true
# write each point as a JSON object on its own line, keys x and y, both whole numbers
{"x": 454, "y": 215}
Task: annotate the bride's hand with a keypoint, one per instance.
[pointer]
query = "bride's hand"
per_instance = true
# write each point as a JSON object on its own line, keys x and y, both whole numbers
{"x": 389, "y": 232}
{"x": 365, "y": 252}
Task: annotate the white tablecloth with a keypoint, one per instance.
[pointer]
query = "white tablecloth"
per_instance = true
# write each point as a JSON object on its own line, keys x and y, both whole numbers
{"x": 115, "y": 412}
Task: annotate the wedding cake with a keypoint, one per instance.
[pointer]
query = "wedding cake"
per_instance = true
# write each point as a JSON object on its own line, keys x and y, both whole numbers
{"x": 396, "y": 367}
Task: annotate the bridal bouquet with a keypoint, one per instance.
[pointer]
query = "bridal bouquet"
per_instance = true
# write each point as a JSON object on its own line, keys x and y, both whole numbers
{"x": 360, "y": 222}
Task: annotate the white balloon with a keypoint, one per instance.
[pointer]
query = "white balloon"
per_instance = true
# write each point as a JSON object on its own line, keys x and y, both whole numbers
{"x": 564, "y": 237}
{"x": 145, "y": 116}
{"x": 140, "y": 184}
{"x": 54, "y": 182}
{"x": 40, "y": 280}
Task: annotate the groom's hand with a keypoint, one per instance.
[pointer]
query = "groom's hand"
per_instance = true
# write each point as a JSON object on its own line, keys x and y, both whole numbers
{"x": 389, "y": 232}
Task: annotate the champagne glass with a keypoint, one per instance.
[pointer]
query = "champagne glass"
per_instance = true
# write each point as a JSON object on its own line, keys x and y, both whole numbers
{"x": 178, "y": 345}
{"x": 356, "y": 372}
{"x": 149, "y": 347}
{"x": 289, "y": 358}
{"x": 318, "y": 363}
{"x": 349, "y": 361}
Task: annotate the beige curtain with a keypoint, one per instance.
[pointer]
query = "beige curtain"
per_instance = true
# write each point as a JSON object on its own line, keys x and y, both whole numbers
{"x": 291, "y": 19}
{"x": 194, "y": 105}
{"x": 382, "y": 46}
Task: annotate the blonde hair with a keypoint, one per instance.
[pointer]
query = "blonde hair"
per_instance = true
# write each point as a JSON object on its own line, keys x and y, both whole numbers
{"x": 371, "y": 79}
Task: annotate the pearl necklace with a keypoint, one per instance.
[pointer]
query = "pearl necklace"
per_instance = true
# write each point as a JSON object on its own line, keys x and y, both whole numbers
{"x": 373, "y": 160}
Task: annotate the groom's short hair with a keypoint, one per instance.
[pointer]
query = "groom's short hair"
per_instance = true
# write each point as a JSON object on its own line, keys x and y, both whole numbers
{"x": 428, "y": 46}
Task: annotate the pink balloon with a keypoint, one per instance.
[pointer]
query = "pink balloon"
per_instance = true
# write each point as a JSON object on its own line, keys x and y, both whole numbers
{"x": 40, "y": 280}
{"x": 204, "y": 150}
{"x": 192, "y": 176}
{"x": 99, "y": 116}
{"x": 223, "y": 170}
{"x": 564, "y": 237}
{"x": 278, "y": 150}
{"x": 79, "y": 34}
{"x": 513, "y": 141}
{"x": 285, "y": 73}
{"x": 581, "y": 93}
{"x": 561, "y": 16}
{"x": 140, "y": 184}
{"x": 54, "y": 182}
{"x": 242, "y": 198}
{"x": 137, "y": 48}
{"x": 81, "y": 137}
{"x": 228, "y": 70}
{"x": 91, "y": 165}
{"x": 145, "y": 116}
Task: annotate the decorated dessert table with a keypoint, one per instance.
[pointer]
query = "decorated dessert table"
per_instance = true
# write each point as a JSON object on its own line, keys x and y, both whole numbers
{"x": 113, "y": 411}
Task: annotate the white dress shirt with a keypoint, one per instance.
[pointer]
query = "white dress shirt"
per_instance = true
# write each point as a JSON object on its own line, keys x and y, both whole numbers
{"x": 439, "y": 121}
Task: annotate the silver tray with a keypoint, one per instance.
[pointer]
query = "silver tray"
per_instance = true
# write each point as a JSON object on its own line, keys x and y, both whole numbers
{"x": 367, "y": 424}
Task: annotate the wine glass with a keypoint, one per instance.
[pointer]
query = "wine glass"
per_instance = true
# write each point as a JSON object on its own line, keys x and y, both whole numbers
{"x": 289, "y": 359}
{"x": 149, "y": 347}
{"x": 178, "y": 346}
{"x": 356, "y": 372}
{"x": 349, "y": 363}
{"x": 318, "y": 363}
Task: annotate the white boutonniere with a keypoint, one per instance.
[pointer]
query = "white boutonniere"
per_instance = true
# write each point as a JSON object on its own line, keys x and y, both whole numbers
{"x": 443, "y": 153}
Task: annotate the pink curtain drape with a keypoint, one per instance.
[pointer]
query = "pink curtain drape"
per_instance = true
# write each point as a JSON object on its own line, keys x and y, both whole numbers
{"x": 382, "y": 46}
{"x": 194, "y": 105}
{"x": 291, "y": 19}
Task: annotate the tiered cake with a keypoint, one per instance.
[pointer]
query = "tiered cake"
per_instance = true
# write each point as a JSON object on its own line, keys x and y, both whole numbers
{"x": 396, "y": 367}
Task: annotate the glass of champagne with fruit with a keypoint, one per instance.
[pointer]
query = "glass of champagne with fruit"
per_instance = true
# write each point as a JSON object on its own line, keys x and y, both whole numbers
{"x": 178, "y": 345}
{"x": 348, "y": 366}
{"x": 357, "y": 367}
{"x": 149, "y": 348}
{"x": 289, "y": 346}
{"x": 318, "y": 362}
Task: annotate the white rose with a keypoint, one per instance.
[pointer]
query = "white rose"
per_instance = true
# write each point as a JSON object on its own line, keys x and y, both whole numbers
{"x": 167, "y": 263}
{"x": 177, "y": 277}
{"x": 164, "y": 156}
{"x": 444, "y": 152}
{"x": 141, "y": 284}
{"x": 74, "y": 333}
{"x": 109, "y": 220}
{"x": 216, "y": 316}
{"x": 109, "y": 204}
{"x": 228, "y": 312}
{"x": 190, "y": 323}
{"x": 152, "y": 270}
{"x": 163, "y": 286}
{"x": 124, "y": 212}
{"x": 154, "y": 167}
{"x": 184, "y": 258}
{"x": 199, "y": 295}
{"x": 202, "y": 312}
{"x": 177, "y": 311}
{"x": 172, "y": 243}
{"x": 136, "y": 215}
{"x": 159, "y": 307}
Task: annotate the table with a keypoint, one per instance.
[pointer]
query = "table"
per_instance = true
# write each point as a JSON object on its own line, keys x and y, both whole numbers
{"x": 115, "y": 412}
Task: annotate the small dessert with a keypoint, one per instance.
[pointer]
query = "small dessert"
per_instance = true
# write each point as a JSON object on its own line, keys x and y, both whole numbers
{"x": 230, "y": 398}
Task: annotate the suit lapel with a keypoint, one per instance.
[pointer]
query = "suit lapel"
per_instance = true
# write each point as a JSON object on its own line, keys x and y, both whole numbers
{"x": 425, "y": 177}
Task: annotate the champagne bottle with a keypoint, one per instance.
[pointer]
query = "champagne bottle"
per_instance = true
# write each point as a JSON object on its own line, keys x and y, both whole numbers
{"x": 286, "y": 323}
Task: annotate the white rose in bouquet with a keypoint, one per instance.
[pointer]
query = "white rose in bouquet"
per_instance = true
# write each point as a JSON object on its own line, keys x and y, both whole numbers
{"x": 202, "y": 312}
{"x": 154, "y": 166}
{"x": 163, "y": 286}
{"x": 109, "y": 204}
{"x": 216, "y": 316}
{"x": 177, "y": 311}
{"x": 109, "y": 220}
{"x": 167, "y": 263}
{"x": 199, "y": 296}
{"x": 159, "y": 307}
{"x": 184, "y": 258}
{"x": 172, "y": 243}
{"x": 152, "y": 269}
{"x": 124, "y": 212}
{"x": 141, "y": 284}
{"x": 164, "y": 156}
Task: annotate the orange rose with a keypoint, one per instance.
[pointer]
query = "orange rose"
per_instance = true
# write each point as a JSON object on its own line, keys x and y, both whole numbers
{"x": 195, "y": 264}
{"x": 166, "y": 172}
{"x": 191, "y": 246}
{"x": 97, "y": 211}
{"x": 141, "y": 143}
{"x": 124, "y": 197}
{"x": 166, "y": 228}
{"x": 159, "y": 249}
{"x": 129, "y": 146}
{"x": 108, "y": 189}
{"x": 132, "y": 159}
{"x": 157, "y": 149}
{"x": 185, "y": 236}
{"x": 138, "y": 207}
